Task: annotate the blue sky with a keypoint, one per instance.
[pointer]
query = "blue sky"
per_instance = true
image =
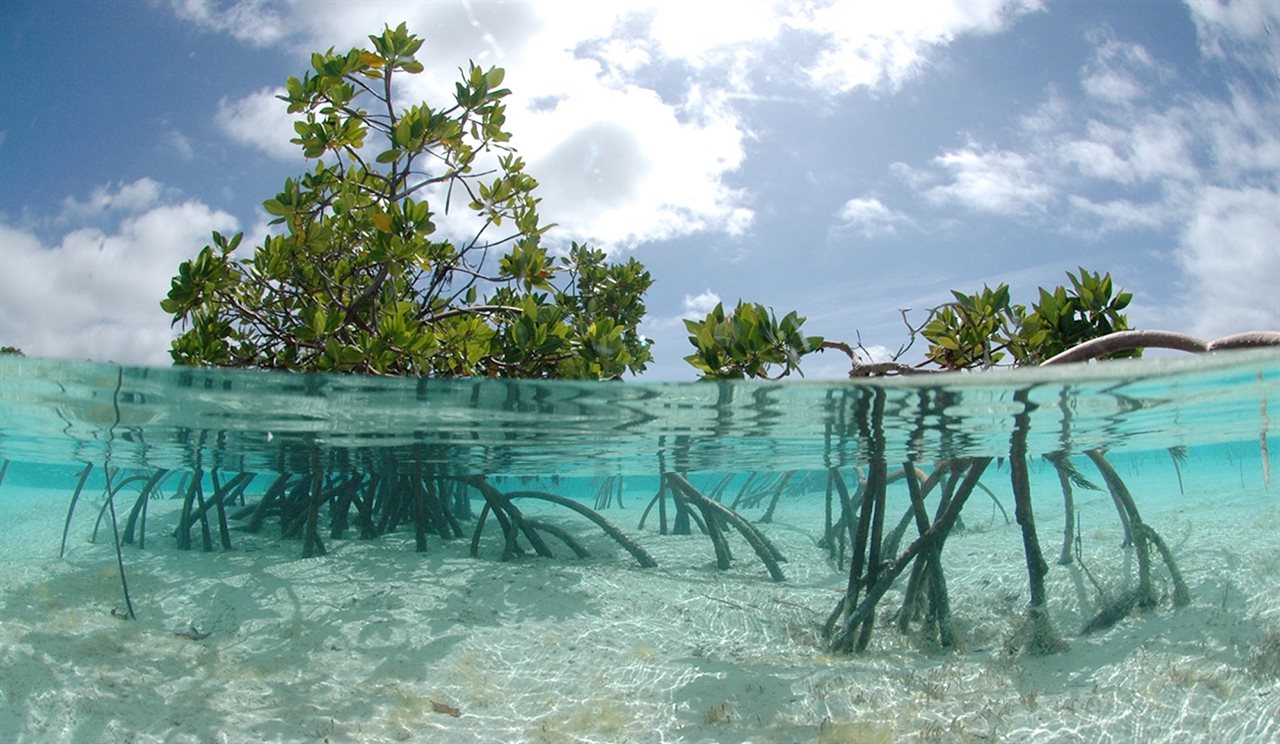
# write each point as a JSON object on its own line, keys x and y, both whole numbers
{"x": 843, "y": 159}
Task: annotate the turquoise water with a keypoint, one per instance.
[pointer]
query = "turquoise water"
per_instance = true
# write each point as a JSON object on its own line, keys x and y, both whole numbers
{"x": 59, "y": 412}
{"x": 257, "y": 643}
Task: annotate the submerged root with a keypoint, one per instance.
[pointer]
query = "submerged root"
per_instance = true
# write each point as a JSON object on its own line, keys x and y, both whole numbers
{"x": 1037, "y": 636}
{"x": 842, "y": 625}
{"x": 1181, "y": 594}
{"x": 642, "y": 557}
{"x": 1112, "y": 612}
{"x": 714, "y": 510}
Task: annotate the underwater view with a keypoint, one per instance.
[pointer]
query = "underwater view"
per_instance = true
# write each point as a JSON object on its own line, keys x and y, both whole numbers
{"x": 1076, "y": 553}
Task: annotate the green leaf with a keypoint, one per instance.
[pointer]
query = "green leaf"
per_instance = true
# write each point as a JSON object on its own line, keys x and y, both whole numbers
{"x": 355, "y": 246}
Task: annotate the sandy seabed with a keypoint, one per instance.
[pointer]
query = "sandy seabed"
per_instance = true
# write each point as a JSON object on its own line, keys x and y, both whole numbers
{"x": 376, "y": 643}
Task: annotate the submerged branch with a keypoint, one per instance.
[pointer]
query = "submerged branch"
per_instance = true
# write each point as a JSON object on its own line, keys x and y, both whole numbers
{"x": 768, "y": 554}
{"x": 642, "y": 557}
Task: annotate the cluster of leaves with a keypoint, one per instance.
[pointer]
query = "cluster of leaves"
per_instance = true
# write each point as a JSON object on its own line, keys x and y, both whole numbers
{"x": 1064, "y": 318}
{"x": 982, "y": 329}
{"x": 751, "y": 342}
{"x": 970, "y": 332}
{"x": 975, "y": 331}
{"x": 15, "y": 351}
{"x": 359, "y": 279}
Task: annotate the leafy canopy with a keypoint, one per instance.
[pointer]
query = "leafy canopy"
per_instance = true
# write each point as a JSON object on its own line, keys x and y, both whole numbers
{"x": 361, "y": 278}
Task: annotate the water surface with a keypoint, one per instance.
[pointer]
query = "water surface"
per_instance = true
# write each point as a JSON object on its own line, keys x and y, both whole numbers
{"x": 58, "y": 412}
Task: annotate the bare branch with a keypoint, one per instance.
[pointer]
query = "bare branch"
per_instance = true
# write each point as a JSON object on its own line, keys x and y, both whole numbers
{"x": 1126, "y": 340}
{"x": 1247, "y": 340}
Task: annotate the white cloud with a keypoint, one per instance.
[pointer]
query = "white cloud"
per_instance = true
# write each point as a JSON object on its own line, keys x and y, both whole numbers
{"x": 260, "y": 120}
{"x": 875, "y": 44}
{"x": 1161, "y": 149}
{"x": 1244, "y": 141}
{"x": 876, "y": 353}
{"x": 697, "y": 306}
{"x": 1113, "y": 86}
{"x": 1132, "y": 149}
{"x": 1121, "y": 214}
{"x": 992, "y": 181}
{"x": 1096, "y": 158}
{"x": 253, "y": 21}
{"x": 179, "y": 143}
{"x": 705, "y": 33}
{"x": 619, "y": 164}
{"x": 125, "y": 198}
{"x": 1243, "y": 27}
{"x": 1116, "y": 158}
{"x": 1120, "y": 72}
{"x": 1230, "y": 253}
{"x": 96, "y": 295}
{"x": 869, "y": 217}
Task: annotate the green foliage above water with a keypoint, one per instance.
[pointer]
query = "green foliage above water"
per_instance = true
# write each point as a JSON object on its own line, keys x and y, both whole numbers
{"x": 1064, "y": 318}
{"x": 974, "y": 331}
{"x": 361, "y": 278}
{"x": 751, "y": 342}
{"x": 982, "y": 329}
{"x": 970, "y": 332}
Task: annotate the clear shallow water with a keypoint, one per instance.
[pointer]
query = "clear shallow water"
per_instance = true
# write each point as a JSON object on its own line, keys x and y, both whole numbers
{"x": 362, "y": 644}
{"x": 62, "y": 413}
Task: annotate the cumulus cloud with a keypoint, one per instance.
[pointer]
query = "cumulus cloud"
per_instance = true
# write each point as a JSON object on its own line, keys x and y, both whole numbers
{"x": 94, "y": 294}
{"x": 1243, "y": 139}
{"x": 1161, "y": 148}
{"x": 261, "y": 121}
{"x": 621, "y": 167}
{"x": 1120, "y": 72}
{"x": 697, "y": 306}
{"x": 1202, "y": 164}
{"x": 1226, "y": 26}
{"x": 252, "y": 21}
{"x": 870, "y": 218}
{"x": 1230, "y": 253}
{"x": 118, "y": 197}
{"x": 619, "y": 163}
{"x": 992, "y": 181}
{"x": 869, "y": 44}
{"x": 1133, "y": 149}
{"x": 1099, "y": 156}
{"x": 1149, "y": 155}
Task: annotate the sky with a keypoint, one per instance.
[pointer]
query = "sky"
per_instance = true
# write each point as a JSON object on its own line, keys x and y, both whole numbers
{"x": 853, "y": 161}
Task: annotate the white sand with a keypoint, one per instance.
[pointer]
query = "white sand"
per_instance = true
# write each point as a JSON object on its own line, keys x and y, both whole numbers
{"x": 357, "y": 645}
